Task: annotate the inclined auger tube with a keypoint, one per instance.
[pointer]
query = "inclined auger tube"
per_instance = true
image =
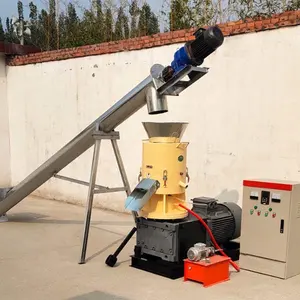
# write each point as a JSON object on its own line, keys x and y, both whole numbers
{"x": 113, "y": 117}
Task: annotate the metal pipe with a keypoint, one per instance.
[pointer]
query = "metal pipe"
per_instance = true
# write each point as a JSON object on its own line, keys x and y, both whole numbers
{"x": 108, "y": 121}
{"x": 99, "y": 189}
{"x": 89, "y": 207}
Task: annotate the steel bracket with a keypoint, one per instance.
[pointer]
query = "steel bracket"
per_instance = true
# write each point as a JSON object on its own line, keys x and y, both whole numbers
{"x": 3, "y": 193}
{"x": 178, "y": 84}
{"x": 3, "y": 218}
{"x": 99, "y": 189}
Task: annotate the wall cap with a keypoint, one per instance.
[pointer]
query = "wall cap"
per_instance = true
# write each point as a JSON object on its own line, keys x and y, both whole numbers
{"x": 285, "y": 19}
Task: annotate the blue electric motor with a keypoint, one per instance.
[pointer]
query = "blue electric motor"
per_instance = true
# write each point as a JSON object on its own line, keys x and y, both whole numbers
{"x": 194, "y": 52}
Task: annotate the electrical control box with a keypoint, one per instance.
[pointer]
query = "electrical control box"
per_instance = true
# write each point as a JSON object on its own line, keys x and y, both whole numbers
{"x": 270, "y": 233}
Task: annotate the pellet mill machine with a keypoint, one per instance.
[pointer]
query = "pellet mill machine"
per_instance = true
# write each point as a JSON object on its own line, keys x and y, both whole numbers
{"x": 166, "y": 229}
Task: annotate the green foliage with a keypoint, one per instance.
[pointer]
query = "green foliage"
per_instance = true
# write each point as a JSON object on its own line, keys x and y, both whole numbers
{"x": 192, "y": 13}
{"x": 34, "y": 25}
{"x": 153, "y": 24}
{"x": 180, "y": 15}
{"x": 292, "y": 5}
{"x": 121, "y": 27}
{"x": 202, "y": 12}
{"x": 134, "y": 11}
{"x": 108, "y": 25}
{"x": 52, "y": 26}
{"x": 72, "y": 27}
{"x": 2, "y": 35}
{"x": 92, "y": 26}
{"x": 148, "y": 23}
{"x": 10, "y": 36}
{"x": 88, "y": 28}
{"x": 20, "y": 11}
{"x": 243, "y": 9}
{"x": 269, "y": 7}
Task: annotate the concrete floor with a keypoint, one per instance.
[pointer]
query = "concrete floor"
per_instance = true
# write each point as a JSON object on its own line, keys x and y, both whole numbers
{"x": 39, "y": 251}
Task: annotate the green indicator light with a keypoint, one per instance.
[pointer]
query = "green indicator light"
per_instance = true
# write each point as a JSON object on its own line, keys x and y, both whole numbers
{"x": 266, "y": 214}
{"x": 251, "y": 211}
{"x": 270, "y": 209}
{"x": 180, "y": 158}
{"x": 255, "y": 207}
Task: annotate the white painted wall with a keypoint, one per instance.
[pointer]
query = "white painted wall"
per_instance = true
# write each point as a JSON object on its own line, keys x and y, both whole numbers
{"x": 243, "y": 115}
{"x": 4, "y": 128}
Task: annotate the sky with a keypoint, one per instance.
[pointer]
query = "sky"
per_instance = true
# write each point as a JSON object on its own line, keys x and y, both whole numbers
{"x": 8, "y": 8}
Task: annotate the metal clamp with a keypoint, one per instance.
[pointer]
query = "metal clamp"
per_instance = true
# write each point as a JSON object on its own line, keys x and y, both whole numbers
{"x": 187, "y": 175}
{"x": 140, "y": 176}
{"x": 165, "y": 177}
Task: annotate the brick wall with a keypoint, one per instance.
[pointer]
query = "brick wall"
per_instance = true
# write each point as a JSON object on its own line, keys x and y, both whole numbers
{"x": 285, "y": 19}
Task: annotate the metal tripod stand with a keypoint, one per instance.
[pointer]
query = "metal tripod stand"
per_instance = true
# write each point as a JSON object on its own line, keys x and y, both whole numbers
{"x": 98, "y": 136}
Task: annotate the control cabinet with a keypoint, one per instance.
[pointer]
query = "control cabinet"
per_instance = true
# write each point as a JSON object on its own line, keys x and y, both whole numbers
{"x": 270, "y": 234}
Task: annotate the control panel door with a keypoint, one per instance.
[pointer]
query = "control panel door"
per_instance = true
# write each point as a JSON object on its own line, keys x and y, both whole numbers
{"x": 265, "y": 223}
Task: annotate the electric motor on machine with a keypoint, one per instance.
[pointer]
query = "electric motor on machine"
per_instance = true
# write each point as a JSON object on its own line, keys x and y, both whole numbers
{"x": 199, "y": 252}
{"x": 224, "y": 219}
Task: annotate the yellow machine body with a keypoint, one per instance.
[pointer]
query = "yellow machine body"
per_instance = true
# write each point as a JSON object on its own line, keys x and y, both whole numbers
{"x": 164, "y": 160}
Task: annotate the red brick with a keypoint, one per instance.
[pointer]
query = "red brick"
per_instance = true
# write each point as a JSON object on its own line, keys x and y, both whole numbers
{"x": 235, "y": 31}
{"x": 258, "y": 26}
{"x": 267, "y": 21}
{"x": 239, "y": 22}
{"x": 157, "y": 35}
{"x": 292, "y": 17}
{"x": 181, "y": 33}
{"x": 284, "y": 23}
{"x": 231, "y": 24}
{"x": 251, "y": 25}
{"x": 271, "y": 26}
{"x": 192, "y": 30}
{"x": 150, "y": 45}
{"x": 179, "y": 40}
{"x": 165, "y": 37}
{"x": 293, "y": 22}
{"x": 284, "y": 18}
{"x": 275, "y": 20}
{"x": 158, "y": 43}
{"x": 226, "y": 32}
{"x": 248, "y": 20}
